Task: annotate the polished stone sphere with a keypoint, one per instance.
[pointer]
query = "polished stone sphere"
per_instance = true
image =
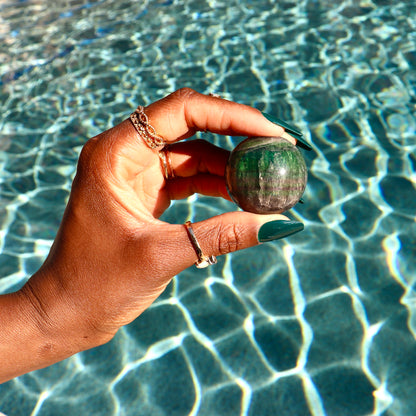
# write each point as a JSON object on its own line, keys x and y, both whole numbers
{"x": 266, "y": 175}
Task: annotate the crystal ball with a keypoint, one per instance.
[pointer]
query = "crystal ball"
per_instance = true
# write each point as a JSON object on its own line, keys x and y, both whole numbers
{"x": 266, "y": 175}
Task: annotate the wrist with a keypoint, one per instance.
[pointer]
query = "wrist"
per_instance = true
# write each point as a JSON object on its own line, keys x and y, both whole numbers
{"x": 55, "y": 327}
{"x": 29, "y": 339}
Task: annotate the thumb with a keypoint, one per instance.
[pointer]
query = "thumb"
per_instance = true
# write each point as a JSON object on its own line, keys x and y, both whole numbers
{"x": 234, "y": 231}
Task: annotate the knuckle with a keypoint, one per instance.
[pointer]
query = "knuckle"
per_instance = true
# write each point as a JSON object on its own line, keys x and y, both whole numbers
{"x": 184, "y": 92}
{"x": 229, "y": 239}
{"x": 92, "y": 159}
{"x": 86, "y": 153}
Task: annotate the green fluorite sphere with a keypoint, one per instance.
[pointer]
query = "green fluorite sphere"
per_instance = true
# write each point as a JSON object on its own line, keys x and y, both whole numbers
{"x": 266, "y": 175}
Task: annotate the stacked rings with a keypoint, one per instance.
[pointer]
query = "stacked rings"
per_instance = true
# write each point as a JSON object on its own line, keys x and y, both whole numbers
{"x": 147, "y": 132}
{"x": 164, "y": 156}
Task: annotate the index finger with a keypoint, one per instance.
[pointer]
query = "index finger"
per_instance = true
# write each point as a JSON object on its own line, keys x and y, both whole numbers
{"x": 182, "y": 113}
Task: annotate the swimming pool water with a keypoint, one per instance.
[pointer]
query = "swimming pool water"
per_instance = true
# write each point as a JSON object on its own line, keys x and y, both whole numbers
{"x": 323, "y": 323}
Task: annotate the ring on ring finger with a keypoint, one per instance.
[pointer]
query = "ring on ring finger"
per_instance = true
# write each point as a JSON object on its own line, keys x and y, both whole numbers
{"x": 164, "y": 156}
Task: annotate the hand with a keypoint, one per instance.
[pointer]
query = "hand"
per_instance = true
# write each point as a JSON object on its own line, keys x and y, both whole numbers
{"x": 112, "y": 256}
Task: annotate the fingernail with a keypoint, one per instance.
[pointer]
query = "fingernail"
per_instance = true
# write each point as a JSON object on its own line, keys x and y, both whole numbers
{"x": 286, "y": 126}
{"x": 297, "y": 134}
{"x": 274, "y": 230}
{"x": 302, "y": 143}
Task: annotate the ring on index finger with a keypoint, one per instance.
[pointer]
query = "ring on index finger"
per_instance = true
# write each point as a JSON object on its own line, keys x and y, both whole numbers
{"x": 146, "y": 131}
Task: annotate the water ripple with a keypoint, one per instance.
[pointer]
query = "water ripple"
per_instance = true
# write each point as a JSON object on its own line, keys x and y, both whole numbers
{"x": 323, "y": 323}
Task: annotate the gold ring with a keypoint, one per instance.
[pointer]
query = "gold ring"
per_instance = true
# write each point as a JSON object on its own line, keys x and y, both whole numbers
{"x": 147, "y": 132}
{"x": 203, "y": 260}
{"x": 164, "y": 156}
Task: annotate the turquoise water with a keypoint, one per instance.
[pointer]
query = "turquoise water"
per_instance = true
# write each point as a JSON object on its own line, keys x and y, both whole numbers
{"x": 323, "y": 323}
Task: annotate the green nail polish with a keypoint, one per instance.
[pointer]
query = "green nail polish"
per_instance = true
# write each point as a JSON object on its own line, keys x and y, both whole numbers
{"x": 293, "y": 131}
{"x": 274, "y": 230}
{"x": 286, "y": 126}
{"x": 301, "y": 142}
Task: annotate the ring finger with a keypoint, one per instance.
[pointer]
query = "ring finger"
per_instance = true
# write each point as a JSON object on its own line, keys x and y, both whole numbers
{"x": 192, "y": 167}
{"x": 186, "y": 159}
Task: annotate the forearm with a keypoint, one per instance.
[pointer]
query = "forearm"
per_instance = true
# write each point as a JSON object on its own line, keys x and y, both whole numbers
{"x": 23, "y": 346}
{"x": 32, "y": 337}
